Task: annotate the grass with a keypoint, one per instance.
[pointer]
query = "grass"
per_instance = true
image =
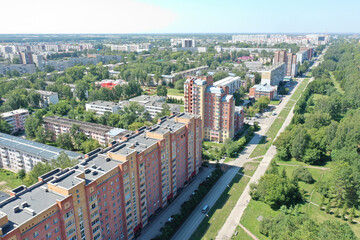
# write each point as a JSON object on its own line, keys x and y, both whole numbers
{"x": 228, "y": 159}
{"x": 212, "y": 144}
{"x": 175, "y": 92}
{"x": 251, "y": 214}
{"x": 262, "y": 147}
{"x": 242, "y": 235}
{"x": 275, "y": 102}
{"x": 182, "y": 108}
{"x": 258, "y": 159}
{"x": 8, "y": 180}
{"x": 210, "y": 226}
{"x": 257, "y": 208}
{"x": 250, "y": 167}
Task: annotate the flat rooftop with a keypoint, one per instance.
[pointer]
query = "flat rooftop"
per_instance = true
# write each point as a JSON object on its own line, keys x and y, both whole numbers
{"x": 147, "y": 98}
{"x": 37, "y": 199}
{"x": 226, "y": 80}
{"x": 34, "y": 148}
{"x": 11, "y": 113}
{"x": 104, "y": 104}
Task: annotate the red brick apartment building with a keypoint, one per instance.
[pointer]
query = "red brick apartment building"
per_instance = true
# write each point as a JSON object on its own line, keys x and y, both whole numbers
{"x": 113, "y": 192}
{"x": 215, "y": 106}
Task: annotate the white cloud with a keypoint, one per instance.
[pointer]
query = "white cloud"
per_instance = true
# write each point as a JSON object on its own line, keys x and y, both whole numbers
{"x": 83, "y": 16}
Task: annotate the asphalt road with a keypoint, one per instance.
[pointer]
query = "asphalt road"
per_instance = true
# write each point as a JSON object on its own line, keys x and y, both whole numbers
{"x": 153, "y": 228}
{"x": 234, "y": 218}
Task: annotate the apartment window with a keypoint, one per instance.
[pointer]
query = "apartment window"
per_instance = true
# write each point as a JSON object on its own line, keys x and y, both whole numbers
{"x": 56, "y": 229}
{"x": 35, "y": 234}
{"x": 58, "y": 238}
{"x": 48, "y": 235}
{"x": 56, "y": 220}
{"x": 47, "y": 226}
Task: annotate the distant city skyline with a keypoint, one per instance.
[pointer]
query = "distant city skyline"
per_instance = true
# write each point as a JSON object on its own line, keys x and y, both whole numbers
{"x": 186, "y": 16}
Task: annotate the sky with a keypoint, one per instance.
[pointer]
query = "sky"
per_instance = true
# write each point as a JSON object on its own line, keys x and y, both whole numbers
{"x": 179, "y": 16}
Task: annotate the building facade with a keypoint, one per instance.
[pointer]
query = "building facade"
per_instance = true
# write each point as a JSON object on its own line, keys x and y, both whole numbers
{"x": 289, "y": 59}
{"x": 114, "y": 192}
{"x": 260, "y": 90}
{"x": 17, "y": 153}
{"x": 16, "y": 119}
{"x": 215, "y": 106}
{"x": 100, "y": 107}
{"x": 273, "y": 75}
{"x": 103, "y": 134}
{"x": 47, "y": 97}
{"x": 233, "y": 83}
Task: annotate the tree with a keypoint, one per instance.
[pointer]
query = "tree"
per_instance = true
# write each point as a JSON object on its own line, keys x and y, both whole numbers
{"x": 276, "y": 191}
{"x": 5, "y": 127}
{"x": 31, "y": 125}
{"x": 34, "y": 98}
{"x": 63, "y": 161}
{"x": 161, "y": 91}
{"x": 21, "y": 174}
{"x": 89, "y": 145}
{"x": 64, "y": 141}
{"x": 299, "y": 143}
{"x": 80, "y": 90}
{"x": 303, "y": 174}
{"x": 262, "y": 103}
{"x": 40, "y": 134}
{"x": 16, "y": 61}
{"x": 220, "y": 75}
{"x": 38, "y": 170}
{"x": 179, "y": 85}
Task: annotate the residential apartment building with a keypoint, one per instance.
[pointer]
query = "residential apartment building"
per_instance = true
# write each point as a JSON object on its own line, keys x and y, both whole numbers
{"x": 289, "y": 59}
{"x": 190, "y": 72}
{"x": 100, "y": 107}
{"x": 16, "y": 119}
{"x": 152, "y": 104}
{"x": 17, "y": 153}
{"x": 304, "y": 54}
{"x": 26, "y": 58}
{"x": 47, "y": 97}
{"x": 273, "y": 75}
{"x": 188, "y": 43}
{"x": 113, "y": 193}
{"x": 233, "y": 83}
{"x": 20, "y": 68}
{"x": 109, "y": 83}
{"x": 103, "y": 134}
{"x": 215, "y": 106}
{"x": 260, "y": 90}
{"x": 310, "y": 52}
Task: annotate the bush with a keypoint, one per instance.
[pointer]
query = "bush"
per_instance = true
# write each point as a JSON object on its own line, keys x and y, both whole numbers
{"x": 302, "y": 174}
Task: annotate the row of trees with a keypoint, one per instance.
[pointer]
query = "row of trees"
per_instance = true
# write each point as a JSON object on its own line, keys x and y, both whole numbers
{"x": 326, "y": 125}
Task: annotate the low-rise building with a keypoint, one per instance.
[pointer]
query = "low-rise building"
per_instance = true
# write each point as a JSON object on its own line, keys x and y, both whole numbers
{"x": 16, "y": 119}
{"x": 190, "y": 72}
{"x": 17, "y": 153}
{"x": 153, "y": 104}
{"x": 117, "y": 189}
{"x": 109, "y": 83}
{"x": 47, "y": 97}
{"x": 100, "y": 107}
{"x": 103, "y": 134}
{"x": 260, "y": 90}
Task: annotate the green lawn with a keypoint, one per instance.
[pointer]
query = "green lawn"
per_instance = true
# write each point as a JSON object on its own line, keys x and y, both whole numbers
{"x": 212, "y": 144}
{"x": 250, "y": 167}
{"x": 228, "y": 159}
{"x": 274, "y": 102}
{"x": 210, "y": 226}
{"x": 175, "y": 92}
{"x": 262, "y": 148}
{"x": 182, "y": 108}
{"x": 8, "y": 180}
{"x": 242, "y": 235}
{"x": 254, "y": 210}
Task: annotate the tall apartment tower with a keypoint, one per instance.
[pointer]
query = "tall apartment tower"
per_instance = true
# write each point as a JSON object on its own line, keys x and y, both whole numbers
{"x": 220, "y": 118}
{"x": 289, "y": 59}
{"x": 113, "y": 193}
{"x": 188, "y": 43}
